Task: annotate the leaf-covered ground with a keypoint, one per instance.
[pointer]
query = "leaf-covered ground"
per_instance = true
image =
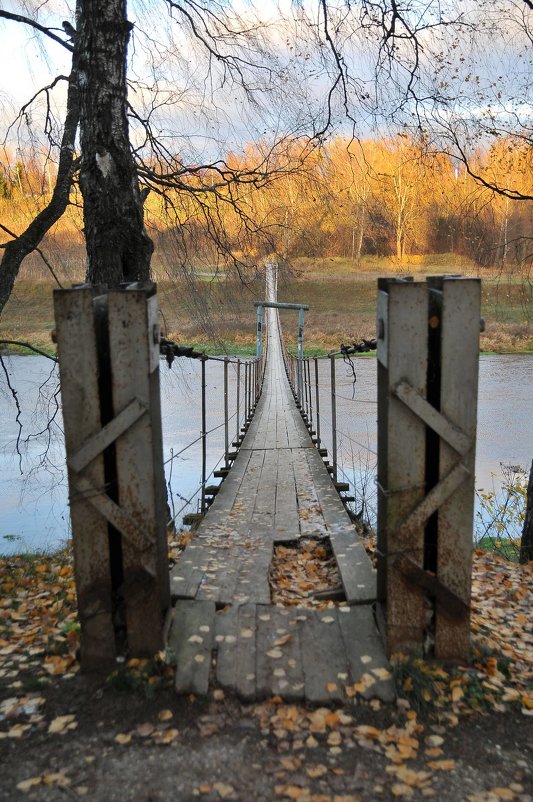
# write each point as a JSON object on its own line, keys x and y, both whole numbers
{"x": 457, "y": 734}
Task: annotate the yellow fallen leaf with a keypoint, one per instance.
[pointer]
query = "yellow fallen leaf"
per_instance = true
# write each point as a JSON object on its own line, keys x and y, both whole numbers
{"x": 441, "y": 765}
{"x": 123, "y": 738}
{"x": 144, "y": 730}
{"x": 17, "y": 730}
{"x": 25, "y": 785}
{"x": 316, "y": 771}
{"x": 168, "y": 737}
{"x": 62, "y": 723}
{"x": 223, "y": 790}
{"x": 457, "y": 694}
{"x": 56, "y": 778}
{"x": 366, "y": 731}
{"x": 434, "y": 740}
{"x": 165, "y": 715}
{"x": 292, "y": 792}
{"x": 502, "y": 793}
{"x": 401, "y": 789}
{"x": 283, "y": 640}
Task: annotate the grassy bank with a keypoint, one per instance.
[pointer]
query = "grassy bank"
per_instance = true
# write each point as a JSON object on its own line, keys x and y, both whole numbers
{"x": 218, "y": 315}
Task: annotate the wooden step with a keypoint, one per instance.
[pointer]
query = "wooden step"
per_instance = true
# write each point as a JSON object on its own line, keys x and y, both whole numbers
{"x": 221, "y": 473}
{"x": 341, "y": 486}
{"x": 192, "y": 518}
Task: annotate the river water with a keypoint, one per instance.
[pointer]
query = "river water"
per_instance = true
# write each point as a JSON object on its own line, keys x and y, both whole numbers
{"x": 33, "y": 493}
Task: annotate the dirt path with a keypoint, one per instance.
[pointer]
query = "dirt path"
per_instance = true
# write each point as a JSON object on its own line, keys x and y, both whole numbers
{"x": 130, "y": 748}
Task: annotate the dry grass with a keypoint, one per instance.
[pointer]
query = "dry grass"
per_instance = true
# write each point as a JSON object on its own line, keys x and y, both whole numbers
{"x": 220, "y": 314}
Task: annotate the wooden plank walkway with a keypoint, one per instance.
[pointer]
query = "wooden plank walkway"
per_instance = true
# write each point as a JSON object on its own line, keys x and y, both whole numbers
{"x": 225, "y": 627}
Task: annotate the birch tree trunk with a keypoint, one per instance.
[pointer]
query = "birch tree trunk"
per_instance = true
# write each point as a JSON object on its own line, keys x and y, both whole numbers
{"x": 118, "y": 247}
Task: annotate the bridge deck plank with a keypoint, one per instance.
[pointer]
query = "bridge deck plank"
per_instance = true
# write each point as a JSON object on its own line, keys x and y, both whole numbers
{"x": 277, "y": 490}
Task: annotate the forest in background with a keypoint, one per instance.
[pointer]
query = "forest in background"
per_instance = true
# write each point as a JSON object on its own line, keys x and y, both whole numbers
{"x": 350, "y": 210}
{"x": 393, "y": 197}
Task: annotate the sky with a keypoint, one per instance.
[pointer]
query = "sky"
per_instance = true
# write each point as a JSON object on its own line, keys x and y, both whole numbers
{"x": 203, "y": 112}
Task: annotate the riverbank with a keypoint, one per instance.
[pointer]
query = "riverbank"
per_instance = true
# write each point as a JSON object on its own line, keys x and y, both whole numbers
{"x": 218, "y": 315}
{"x": 456, "y": 734}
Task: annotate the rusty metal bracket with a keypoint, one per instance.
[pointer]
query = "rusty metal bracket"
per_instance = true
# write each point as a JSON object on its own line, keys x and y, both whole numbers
{"x": 450, "y": 604}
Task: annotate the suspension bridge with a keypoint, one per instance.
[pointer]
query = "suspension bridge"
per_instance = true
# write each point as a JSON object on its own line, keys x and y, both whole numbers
{"x": 221, "y": 622}
{"x": 225, "y": 628}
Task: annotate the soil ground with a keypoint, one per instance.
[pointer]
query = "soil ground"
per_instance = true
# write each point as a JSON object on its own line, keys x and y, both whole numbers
{"x": 455, "y": 733}
{"x": 226, "y": 750}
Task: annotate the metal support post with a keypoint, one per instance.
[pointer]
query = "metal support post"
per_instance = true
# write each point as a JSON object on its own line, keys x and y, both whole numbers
{"x": 259, "y": 339}
{"x": 226, "y": 418}
{"x": 301, "y": 315}
{"x": 245, "y": 392}
{"x": 317, "y": 405}
{"x": 237, "y": 435}
{"x": 204, "y": 439}
{"x": 309, "y": 396}
{"x": 333, "y": 416}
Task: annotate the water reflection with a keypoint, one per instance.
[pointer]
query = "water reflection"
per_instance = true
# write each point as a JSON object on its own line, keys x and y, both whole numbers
{"x": 33, "y": 503}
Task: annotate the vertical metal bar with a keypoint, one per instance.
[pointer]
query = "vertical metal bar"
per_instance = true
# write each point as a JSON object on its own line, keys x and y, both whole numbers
{"x": 238, "y": 398}
{"x": 226, "y": 418}
{"x": 204, "y": 439}
{"x": 306, "y": 397}
{"x": 245, "y": 392}
{"x": 317, "y": 405}
{"x": 333, "y": 416}
{"x": 250, "y": 380}
{"x": 301, "y": 315}
{"x": 259, "y": 338}
{"x": 310, "y": 397}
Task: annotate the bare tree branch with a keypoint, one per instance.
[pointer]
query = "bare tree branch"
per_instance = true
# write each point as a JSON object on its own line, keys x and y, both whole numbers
{"x": 27, "y": 21}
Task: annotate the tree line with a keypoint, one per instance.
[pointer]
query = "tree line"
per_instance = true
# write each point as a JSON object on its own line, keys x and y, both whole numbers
{"x": 392, "y": 196}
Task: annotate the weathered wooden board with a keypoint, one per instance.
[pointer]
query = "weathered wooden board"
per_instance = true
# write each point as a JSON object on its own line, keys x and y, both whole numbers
{"x": 324, "y": 659}
{"x": 402, "y": 356}
{"x": 141, "y": 489}
{"x": 245, "y": 680}
{"x": 78, "y": 369}
{"x": 365, "y": 652}
{"x": 191, "y": 639}
{"x": 226, "y": 623}
{"x": 254, "y": 562}
{"x": 356, "y": 571}
{"x": 458, "y": 402}
{"x": 279, "y": 666}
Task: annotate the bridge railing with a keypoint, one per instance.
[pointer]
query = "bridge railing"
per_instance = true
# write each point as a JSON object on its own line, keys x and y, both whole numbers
{"x": 323, "y": 389}
{"x": 221, "y": 394}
